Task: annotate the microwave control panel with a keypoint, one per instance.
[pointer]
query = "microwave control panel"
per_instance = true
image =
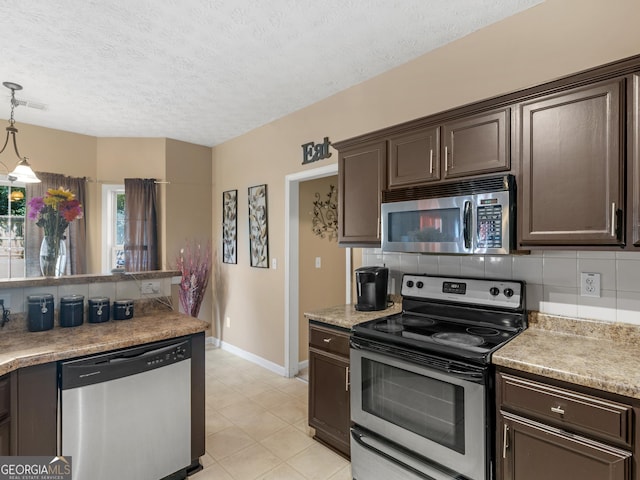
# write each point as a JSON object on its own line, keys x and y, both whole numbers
{"x": 489, "y": 226}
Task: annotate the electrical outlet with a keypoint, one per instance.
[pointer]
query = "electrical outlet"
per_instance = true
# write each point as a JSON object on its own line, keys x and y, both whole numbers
{"x": 590, "y": 284}
{"x": 228, "y": 322}
{"x": 318, "y": 262}
{"x": 150, "y": 288}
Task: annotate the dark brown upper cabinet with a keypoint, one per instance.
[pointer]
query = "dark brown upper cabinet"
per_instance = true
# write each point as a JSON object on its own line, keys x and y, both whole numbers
{"x": 634, "y": 163}
{"x": 476, "y": 144}
{"x": 472, "y": 145}
{"x": 361, "y": 179}
{"x": 414, "y": 157}
{"x": 572, "y": 166}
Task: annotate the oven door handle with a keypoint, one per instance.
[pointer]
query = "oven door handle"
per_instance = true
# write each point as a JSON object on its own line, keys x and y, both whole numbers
{"x": 377, "y": 447}
{"x": 473, "y": 376}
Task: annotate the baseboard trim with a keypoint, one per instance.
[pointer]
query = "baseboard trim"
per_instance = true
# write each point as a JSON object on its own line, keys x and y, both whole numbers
{"x": 274, "y": 367}
{"x": 303, "y": 364}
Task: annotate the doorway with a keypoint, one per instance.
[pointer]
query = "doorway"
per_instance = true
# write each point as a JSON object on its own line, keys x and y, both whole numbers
{"x": 292, "y": 256}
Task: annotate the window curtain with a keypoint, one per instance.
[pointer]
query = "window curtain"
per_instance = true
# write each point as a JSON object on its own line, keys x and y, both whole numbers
{"x": 141, "y": 225}
{"x": 76, "y": 233}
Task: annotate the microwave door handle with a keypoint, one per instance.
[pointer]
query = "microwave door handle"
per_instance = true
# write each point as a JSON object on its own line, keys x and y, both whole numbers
{"x": 467, "y": 225}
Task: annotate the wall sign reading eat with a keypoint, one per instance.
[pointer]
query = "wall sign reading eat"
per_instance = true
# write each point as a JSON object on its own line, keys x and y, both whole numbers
{"x": 312, "y": 152}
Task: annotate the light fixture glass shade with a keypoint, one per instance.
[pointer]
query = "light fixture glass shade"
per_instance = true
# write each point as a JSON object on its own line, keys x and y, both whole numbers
{"x": 23, "y": 173}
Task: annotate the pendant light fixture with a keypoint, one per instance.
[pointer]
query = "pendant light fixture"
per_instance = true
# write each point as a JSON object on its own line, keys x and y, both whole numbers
{"x": 22, "y": 171}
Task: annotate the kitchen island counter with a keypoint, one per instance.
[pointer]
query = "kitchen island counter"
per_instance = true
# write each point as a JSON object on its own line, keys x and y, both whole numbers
{"x": 596, "y": 354}
{"x": 21, "y": 348}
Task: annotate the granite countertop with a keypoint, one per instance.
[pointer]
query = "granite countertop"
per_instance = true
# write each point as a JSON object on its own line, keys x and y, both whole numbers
{"x": 21, "y": 348}
{"x": 596, "y": 354}
{"x": 346, "y": 316}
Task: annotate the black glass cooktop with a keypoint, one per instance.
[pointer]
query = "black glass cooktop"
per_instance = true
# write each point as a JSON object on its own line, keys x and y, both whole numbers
{"x": 437, "y": 334}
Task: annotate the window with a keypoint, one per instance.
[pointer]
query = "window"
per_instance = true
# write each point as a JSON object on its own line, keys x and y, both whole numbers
{"x": 13, "y": 210}
{"x": 113, "y": 202}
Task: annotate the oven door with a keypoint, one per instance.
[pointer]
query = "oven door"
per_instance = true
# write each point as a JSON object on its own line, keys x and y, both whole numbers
{"x": 437, "y": 411}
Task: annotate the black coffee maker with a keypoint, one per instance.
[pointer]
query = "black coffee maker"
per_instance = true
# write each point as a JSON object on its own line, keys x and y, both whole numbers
{"x": 371, "y": 284}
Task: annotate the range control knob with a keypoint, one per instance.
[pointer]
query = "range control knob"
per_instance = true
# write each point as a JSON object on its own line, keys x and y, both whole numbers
{"x": 494, "y": 291}
{"x": 409, "y": 283}
{"x": 420, "y": 284}
{"x": 508, "y": 292}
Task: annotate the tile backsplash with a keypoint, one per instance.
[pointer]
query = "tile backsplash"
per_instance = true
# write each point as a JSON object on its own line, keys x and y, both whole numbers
{"x": 552, "y": 278}
{"x": 16, "y": 298}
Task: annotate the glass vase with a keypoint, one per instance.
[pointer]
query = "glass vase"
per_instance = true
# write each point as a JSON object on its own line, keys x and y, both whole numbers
{"x": 53, "y": 258}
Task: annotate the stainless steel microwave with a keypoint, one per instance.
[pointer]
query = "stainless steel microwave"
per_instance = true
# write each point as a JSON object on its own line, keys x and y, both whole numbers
{"x": 468, "y": 217}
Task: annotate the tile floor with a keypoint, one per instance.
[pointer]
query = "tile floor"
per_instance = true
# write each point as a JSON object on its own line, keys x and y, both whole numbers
{"x": 256, "y": 426}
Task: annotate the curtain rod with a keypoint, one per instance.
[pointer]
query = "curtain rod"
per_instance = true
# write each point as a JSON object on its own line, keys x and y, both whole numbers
{"x": 118, "y": 182}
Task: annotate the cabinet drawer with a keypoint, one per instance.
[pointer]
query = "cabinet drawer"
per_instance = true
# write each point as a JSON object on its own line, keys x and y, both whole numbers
{"x": 329, "y": 340}
{"x": 568, "y": 409}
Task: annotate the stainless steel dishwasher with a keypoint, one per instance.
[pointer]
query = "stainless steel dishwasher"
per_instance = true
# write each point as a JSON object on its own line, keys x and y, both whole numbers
{"x": 127, "y": 414}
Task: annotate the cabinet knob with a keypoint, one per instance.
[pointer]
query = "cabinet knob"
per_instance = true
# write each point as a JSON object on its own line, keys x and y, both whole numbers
{"x": 557, "y": 410}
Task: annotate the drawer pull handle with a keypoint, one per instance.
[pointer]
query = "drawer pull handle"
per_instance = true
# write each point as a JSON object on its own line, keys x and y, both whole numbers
{"x": 347, "y": 383}
{"x": 327, "y": 340}
{"x": 431, "y": 162}
{"x": 557, "y": 410}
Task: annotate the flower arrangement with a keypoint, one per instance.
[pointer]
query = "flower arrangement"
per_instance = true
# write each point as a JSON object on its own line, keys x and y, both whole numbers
{"x": 53, "y": 212}
{"x": 194, "y": 263}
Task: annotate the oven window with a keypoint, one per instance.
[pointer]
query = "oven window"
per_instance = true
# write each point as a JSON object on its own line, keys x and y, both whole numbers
{"x": 441, "y": 225}
{"x": 428, "y": 407}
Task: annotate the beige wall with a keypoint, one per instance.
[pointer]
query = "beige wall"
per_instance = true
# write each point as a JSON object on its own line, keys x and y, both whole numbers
{"x": 57, "y": 151}
{"x": 110, "y": 160}
{"x": 119, "y": 158}
{"x": 188, "y": 205}
{"x": 318, "y": 287}
{"x": 555, "y": 38}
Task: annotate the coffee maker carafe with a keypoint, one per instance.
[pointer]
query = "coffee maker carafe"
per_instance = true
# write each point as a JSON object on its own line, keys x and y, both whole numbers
{"x": 371, "y": 285}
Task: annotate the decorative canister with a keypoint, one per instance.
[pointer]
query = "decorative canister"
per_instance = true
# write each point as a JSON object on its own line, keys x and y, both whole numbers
{"x": 122, "y": 309}
{"x": 71, "y": 310}
{"x": 99, "y": 309}
{"x": 40, "y": 312}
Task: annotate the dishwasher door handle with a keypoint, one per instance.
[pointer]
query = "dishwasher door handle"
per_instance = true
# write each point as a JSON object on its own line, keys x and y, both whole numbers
{"x": 146, "y": 354}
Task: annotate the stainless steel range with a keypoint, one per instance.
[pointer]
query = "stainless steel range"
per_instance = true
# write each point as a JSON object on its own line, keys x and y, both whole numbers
{"x": 421, "y": 386}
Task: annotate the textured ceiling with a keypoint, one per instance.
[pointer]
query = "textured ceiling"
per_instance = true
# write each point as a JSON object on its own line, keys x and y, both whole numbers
{"x": 205, "y": 71}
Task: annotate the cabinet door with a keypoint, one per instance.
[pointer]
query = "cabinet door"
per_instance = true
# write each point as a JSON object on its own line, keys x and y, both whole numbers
{"x": 477, "y": 144}
{"x": 37, "y": 415}
{"x": 361, "y": 179}
{"x": 329, "y": 399}
{"x": 5, "y": 437}
{"x": 533, "y": 451}
{"x": 634, "y": 162}
{"x": 572, "y": 167}
{"x": 414, "y": 157}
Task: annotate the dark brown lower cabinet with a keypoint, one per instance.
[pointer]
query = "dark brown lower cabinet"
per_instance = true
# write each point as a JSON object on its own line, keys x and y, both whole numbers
{"x": 36, "y": 410}
{"x": 534, "y": 451}
{"x": 5, "y": 415}
{"x": 547, "y": 429}
{"x": 329, "y": 387}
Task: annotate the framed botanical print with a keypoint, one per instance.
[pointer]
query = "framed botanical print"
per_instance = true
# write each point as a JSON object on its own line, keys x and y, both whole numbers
{"x": 229, "y": 226}
{"x": 258, "y": 234}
